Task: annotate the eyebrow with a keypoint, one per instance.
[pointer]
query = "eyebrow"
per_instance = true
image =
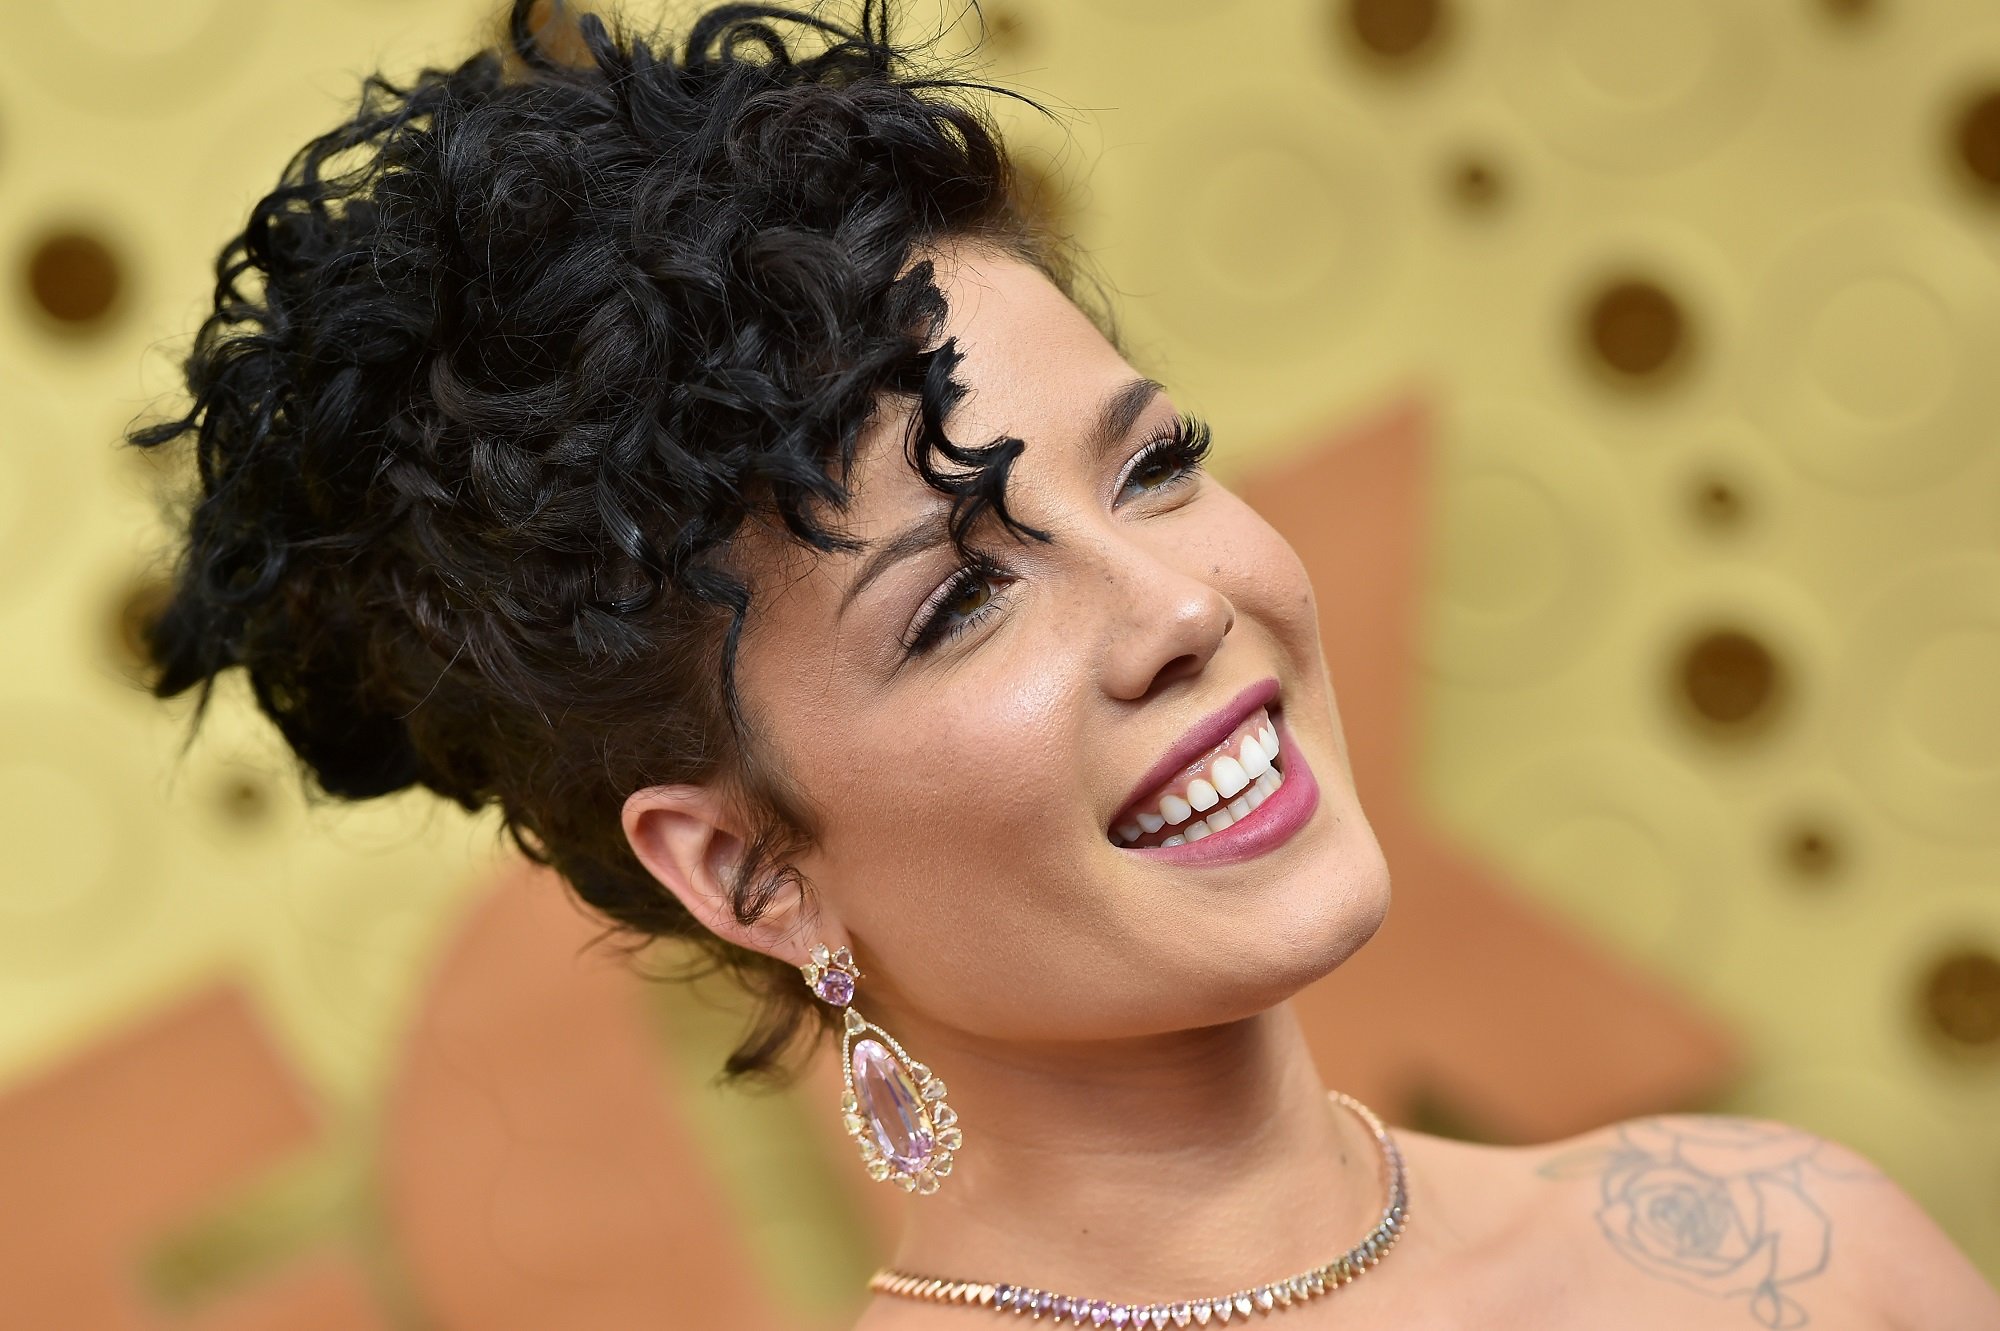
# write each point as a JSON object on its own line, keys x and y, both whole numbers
{"x": 1121, "y": 411}
{"x": 1115, "y": 419}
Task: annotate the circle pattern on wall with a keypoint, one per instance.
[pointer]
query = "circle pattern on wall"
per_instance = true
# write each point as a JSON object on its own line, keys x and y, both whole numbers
{"x": 1281, "y": 243}
{"x": 1871, "y": 350}
{"x": 1394, "y": 32}
{"x": 1729, "y": 680}
{"x": 143, "y": 58}
{"x": 1723, "y": 491}
{"x": 135, "y": 612}
{"x": 1917, "y": 690}
{"x": 36, "y": 489}
{"x": 1960, "y": 997}
{"x": 1533, "y": 535}
{"x": 1596, "y": 813}
{"x": 73, "y": 277}
{"x": 1156, "y": 10}
{"x": 1475, "y": 184}
{"x": 1646, "y": 313}
{"x": 1635, "y": 328}
{"x": 1854, "y": 1103}
{"x": 1742, "y": 664}
{"x": 75, "y": 881}
{"x": 1812, "y": 850}
{"x": 1717, "y": 502}
{"x": 1976, "y": 139}
{"x": 1634, "y": 85}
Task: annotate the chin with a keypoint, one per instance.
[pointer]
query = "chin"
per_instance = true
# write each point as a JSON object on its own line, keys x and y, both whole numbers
{"x": 1263, "y": 951}
{"x": 1329, "y": 909}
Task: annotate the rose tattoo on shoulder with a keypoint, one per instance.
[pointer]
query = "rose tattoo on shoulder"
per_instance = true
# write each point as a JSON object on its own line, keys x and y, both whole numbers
{"x": 1719, "y": 1204}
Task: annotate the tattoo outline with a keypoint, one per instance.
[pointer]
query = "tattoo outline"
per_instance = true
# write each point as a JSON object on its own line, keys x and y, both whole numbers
{"x": 1715, "y": 1202}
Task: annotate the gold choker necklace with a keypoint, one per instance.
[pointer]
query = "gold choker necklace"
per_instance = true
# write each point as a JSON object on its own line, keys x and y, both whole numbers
{"x": 1041, "y": 1304}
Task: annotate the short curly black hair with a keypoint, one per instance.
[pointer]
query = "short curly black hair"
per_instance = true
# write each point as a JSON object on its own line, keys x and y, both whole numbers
{"x": 498, "y": 371}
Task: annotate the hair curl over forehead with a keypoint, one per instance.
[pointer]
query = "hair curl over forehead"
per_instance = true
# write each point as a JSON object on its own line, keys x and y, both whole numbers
{"x": 499, "y": 370}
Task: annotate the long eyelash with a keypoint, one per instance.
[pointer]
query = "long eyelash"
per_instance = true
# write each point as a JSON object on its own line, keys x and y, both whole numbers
{"x": 933, "y": 627}
{"x": 1186, "y": 441}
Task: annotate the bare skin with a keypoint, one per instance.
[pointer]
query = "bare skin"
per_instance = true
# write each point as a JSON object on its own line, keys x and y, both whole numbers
{"x": 1670, "y": 1221}
{"x": 1142, "y": 1117}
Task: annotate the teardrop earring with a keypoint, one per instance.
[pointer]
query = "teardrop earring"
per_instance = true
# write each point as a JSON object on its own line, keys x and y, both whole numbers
{"x": 893, "y": 1106}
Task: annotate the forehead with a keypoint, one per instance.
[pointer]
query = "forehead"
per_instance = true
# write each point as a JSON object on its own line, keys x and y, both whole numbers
{"x": 1033, "y": 365}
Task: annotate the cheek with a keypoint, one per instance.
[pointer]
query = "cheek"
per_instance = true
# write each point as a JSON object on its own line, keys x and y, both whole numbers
{"x": 949, "y": 798}
{"x": 1267, "y": 579}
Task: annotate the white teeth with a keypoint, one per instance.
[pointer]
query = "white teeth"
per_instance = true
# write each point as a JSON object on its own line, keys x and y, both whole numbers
{"x": 1234, "y": 812}
{"x": 1238, "y": 782}
{"x": 1255, "y": 764}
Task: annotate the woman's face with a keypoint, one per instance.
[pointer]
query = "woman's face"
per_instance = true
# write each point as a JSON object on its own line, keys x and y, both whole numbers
{"x": 970, "y": 788}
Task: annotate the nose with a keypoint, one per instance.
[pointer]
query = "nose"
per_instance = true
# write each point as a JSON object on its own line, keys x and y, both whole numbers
{"x": 1172, "y": 621}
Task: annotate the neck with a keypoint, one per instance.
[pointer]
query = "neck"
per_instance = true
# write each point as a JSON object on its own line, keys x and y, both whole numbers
{"x": 1184, "y": 1164}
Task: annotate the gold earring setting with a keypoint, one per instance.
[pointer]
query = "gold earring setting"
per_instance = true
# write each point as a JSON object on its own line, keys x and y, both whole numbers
{"x": 893, "y": 1106}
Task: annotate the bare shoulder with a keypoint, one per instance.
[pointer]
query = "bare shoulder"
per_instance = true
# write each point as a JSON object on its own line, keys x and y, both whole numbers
{"x": 1782, "y": 1226}
{"x": 1670, "y": 1221}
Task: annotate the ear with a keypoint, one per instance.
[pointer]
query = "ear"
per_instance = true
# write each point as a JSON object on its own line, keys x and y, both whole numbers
{"x": 689, "y": 838}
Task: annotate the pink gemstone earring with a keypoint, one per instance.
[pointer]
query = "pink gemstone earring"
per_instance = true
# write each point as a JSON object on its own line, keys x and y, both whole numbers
{"x": 893, "y": 1106}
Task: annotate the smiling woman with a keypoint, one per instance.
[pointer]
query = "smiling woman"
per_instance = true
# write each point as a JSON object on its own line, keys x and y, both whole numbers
{"x": 583, "y": 431}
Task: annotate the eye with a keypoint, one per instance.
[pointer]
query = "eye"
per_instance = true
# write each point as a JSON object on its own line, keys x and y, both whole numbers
{"x": 1171, "y": 458}
{"x": 1168, "y": 459}
{"x": 967, "y": 597}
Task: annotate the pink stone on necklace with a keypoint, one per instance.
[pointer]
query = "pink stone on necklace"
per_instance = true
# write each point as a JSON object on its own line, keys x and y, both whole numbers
{"x": 1042, "y": 1304}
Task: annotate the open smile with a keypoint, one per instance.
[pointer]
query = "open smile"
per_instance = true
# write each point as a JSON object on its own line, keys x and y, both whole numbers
{"x": 1225, "y": 786}
{"x": 1245, "y": 796}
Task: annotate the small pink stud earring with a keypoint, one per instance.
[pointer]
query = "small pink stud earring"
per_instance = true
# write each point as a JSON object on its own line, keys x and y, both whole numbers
{"x": 893, "y": 1106}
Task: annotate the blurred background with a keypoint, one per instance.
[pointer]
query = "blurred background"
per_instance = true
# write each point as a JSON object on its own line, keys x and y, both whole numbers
{"x": 1626, "y": 371}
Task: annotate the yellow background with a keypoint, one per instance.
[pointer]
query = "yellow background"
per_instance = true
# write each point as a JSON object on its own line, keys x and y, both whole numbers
{"x": 1713, "y": 640}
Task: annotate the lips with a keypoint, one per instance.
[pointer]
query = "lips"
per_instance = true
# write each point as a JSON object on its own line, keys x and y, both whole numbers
{"x": 1187, "y": 756}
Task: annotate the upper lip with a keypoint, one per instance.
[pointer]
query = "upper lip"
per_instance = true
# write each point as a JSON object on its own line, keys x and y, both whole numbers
{"x": 1202, "y": 736}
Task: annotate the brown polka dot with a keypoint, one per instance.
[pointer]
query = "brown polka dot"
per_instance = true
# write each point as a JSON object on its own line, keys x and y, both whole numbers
{"x": 1476, "y": 186}
{"x": 73, "y": 277}
{"x": 1428, "y": 1110}
{"x": 1729, "y": 680}
{"x": 555, "y": 26}
{"x": 1978, "y": 139}
{"x": 242, "y": 800}
{"x": 1849, "y": 11}
{"x": 1042, "y": 196}
{"x": 1006, "y": 30}
{"x": 1718, "y": 504}
{"x": 138, "y": 609}
{"x": 1960, "y": 998}
{"x": 1635, "y": 327}
{"x": 1812, "y": 851}
{"x": 1395, "y": 30}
